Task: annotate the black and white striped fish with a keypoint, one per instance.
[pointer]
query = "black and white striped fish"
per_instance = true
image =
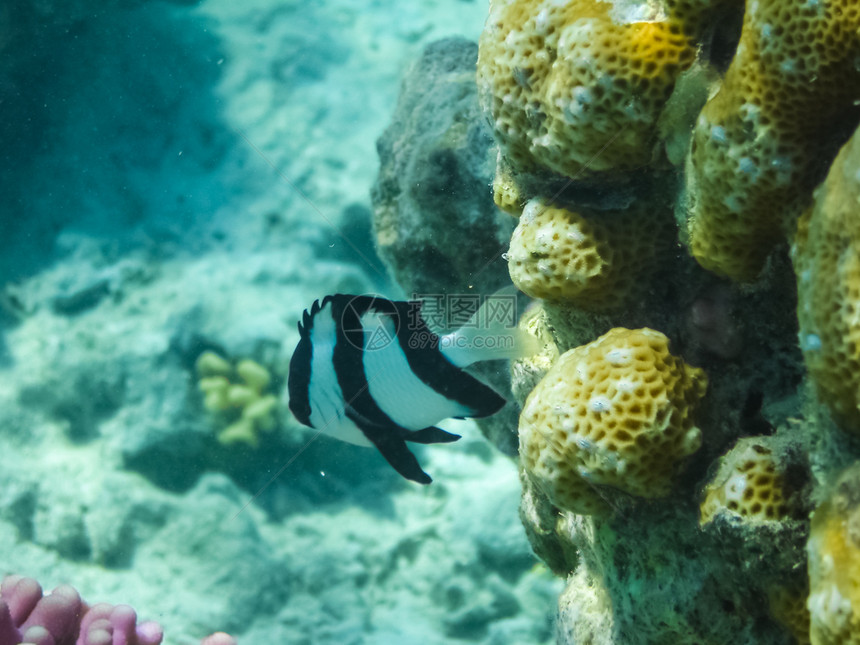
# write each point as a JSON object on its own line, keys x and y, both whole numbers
{"x": 369, "y": 371}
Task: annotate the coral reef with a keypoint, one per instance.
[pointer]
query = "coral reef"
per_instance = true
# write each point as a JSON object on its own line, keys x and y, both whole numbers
{"x": 26, "y": 616}
{"x": 673, "y": 514}
{"x": 145, "y": 224}
{"x": 749, "y": 485}
{"x": 617, "y": 412}
{"x": 248, "y": 398}
{"x": 827, "y": 263}
{"x": 834, "y": 564}
{"x": 578, "y": 87}
{"x": 785, "y": 105}
{"x": 596, "y": 263}
{"x": 605, "y": 115}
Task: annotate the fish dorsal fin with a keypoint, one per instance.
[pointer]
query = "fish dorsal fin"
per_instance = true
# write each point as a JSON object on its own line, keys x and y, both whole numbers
{"x": 308, "y": 317}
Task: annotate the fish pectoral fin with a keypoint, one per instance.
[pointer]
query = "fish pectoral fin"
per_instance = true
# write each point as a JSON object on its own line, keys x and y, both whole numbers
{"x": 393, "y": 447}
{"x": 430, "y": 435}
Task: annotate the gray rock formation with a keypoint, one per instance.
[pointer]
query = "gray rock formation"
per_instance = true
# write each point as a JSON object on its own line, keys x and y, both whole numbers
{"x": 436, "y": 225}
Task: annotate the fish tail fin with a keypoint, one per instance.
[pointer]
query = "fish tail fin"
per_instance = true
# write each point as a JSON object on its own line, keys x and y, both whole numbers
{"x": 431, "y": 435}
{"x": 491, "y": 333}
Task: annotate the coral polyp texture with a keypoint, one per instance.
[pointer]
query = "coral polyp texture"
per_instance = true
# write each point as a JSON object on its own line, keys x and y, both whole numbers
{"x": 577, "y": 87}
{"x": 620, "y": 124}
{"x": 788, "y": 101}
{"x": 788, "y": 606}
{"x": 834, "y": 564}
{"x": 748, "y": 485}
{"x": 827, "y": 263}
{"x": 617, "y": 412}
{"x": 595, "y": 262}
{"x": 507, "y": 193}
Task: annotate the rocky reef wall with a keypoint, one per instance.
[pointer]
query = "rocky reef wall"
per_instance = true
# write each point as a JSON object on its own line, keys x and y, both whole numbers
{"x": 696, "y": 288}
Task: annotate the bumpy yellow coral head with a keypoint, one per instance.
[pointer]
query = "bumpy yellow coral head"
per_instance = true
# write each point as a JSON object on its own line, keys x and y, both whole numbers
{"x": 576, "y": 87}
{"x": 827, "y": 263}
{"x": 596, "y": 263}
{"x": 616, "y": 412}
{"x": 556, "y": 254}
{"x": 749, "y": 485}
{"x": 834, "y": 565}
{"x": 789, "y": 98}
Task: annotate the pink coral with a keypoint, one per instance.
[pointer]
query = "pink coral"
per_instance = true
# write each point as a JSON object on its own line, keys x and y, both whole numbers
{"x": 219, "y": 638}
{"x": 62, "y": 618}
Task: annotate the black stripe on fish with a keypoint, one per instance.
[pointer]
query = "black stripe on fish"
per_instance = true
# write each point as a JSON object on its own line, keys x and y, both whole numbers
{"x": 421, "y": 348}
{"x": 361, "y": 408}
{"x": 433, "y": 368}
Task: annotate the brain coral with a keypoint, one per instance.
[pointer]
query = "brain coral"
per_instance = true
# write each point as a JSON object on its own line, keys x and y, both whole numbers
{"x": 616, "y": 412}
{"x": 579, "y": 83}
{"x": 788, "y": 100}
{"x": 595, "y": 262}
{"x": 834, "y": 565}
{"x": 828, "y": 282}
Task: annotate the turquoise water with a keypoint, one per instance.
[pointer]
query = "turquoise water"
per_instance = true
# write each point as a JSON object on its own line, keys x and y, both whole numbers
{"x": 182, "y": 177}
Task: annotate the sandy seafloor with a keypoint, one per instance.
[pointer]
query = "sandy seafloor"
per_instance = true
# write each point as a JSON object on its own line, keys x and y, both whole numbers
{"x": 174, "y": 177}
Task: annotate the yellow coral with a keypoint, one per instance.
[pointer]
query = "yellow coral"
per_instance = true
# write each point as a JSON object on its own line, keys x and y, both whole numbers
{"x": 616, "y": 412}
{"x": 595, "y": 262}
{"x": 576, "y": 86}
{"x": 507, "y": 193}
{"x": 245, "y": 402}
{"x": 556, "y": 254}
{"x": 828, "y": 284}
{"x": 760, "y": 144}
{"x": 527, "y": 371}
{"x": 833, "y": 554}
{"x": 749, "y": 484}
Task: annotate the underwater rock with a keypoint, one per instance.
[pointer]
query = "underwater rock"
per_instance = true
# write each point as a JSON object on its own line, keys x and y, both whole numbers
{"x": 79, "y": 395}
{"x": 436, "y": 226}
